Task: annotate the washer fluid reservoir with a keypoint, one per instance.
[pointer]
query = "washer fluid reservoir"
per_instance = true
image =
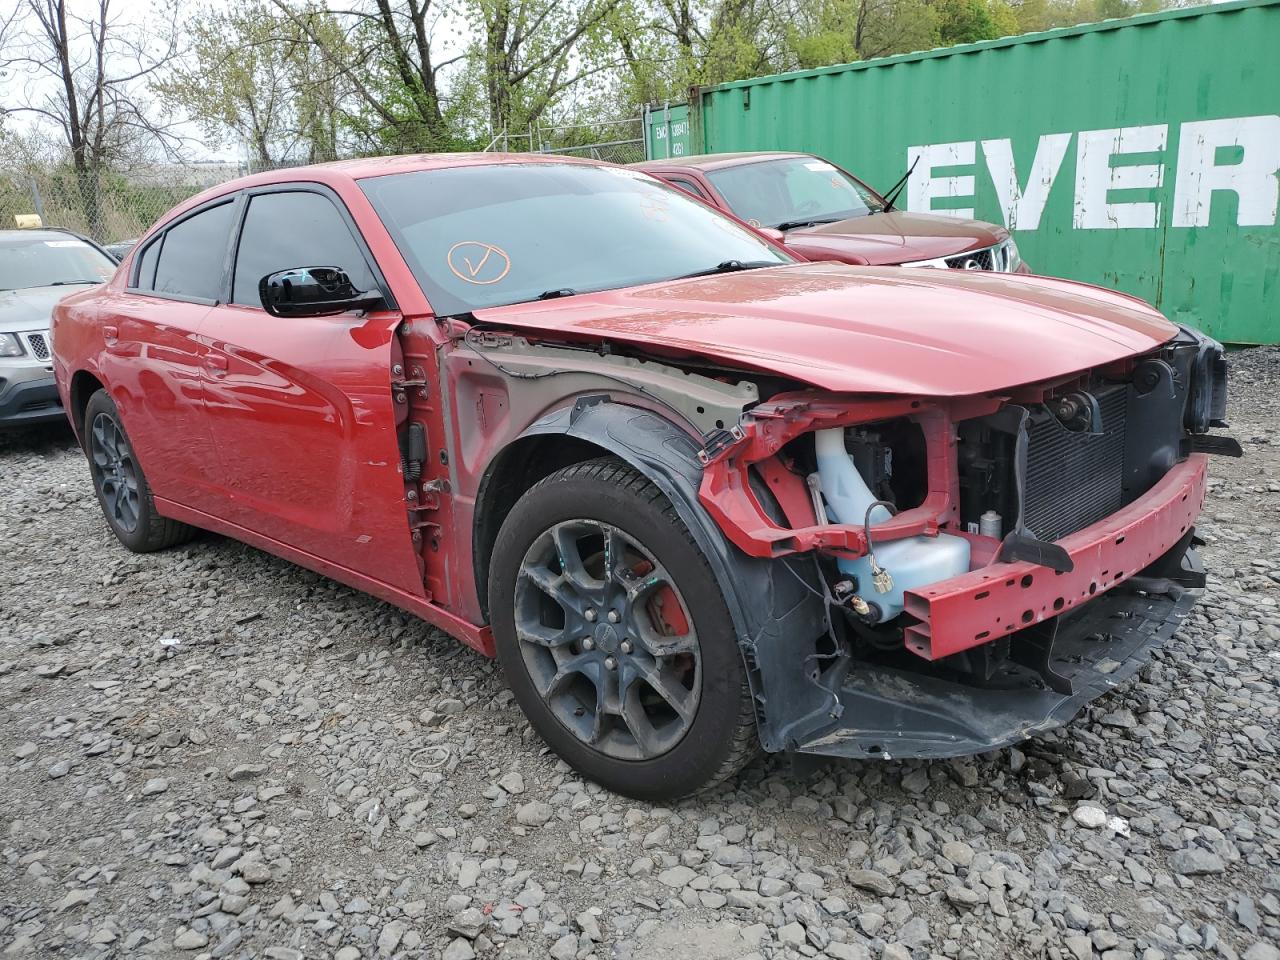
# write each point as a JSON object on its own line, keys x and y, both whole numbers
{"x": 912, "y": 563}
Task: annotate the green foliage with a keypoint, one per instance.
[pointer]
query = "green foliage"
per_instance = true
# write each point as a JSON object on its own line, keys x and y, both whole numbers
{"x": 255, "y": 76}
{"x": 963, "y": 21}
{"x": 296, "y": 79}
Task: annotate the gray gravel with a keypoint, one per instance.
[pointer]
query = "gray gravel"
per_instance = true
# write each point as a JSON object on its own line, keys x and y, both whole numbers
{"x": 211, "y": 753}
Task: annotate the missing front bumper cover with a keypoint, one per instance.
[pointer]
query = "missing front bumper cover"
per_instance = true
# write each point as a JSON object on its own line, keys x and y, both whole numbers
{"x": 889, "y": 712}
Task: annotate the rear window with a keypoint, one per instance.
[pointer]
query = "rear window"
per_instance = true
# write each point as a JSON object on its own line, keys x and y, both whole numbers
{"x": 147, "y": 265}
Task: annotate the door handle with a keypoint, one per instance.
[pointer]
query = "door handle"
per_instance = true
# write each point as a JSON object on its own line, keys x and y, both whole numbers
{"x": 215, "y": 363}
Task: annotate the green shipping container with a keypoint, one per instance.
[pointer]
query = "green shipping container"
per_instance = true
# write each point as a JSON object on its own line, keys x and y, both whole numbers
{"x": 667, "y": 132}
{"x": 1139, "y": 154}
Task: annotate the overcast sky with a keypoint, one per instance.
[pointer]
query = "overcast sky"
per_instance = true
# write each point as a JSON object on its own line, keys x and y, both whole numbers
{"x": 144, "y": 12}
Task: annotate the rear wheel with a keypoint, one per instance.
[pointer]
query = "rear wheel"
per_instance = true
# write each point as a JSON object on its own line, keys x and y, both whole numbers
{"x": 122, "y": 488}
{"x": 614, "y": 636}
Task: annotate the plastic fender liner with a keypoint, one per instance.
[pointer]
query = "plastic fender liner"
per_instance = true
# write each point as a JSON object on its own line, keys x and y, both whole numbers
{"x": 776, "y": 606}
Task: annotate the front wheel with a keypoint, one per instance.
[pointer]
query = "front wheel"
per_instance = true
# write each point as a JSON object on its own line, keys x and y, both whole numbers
{"x": 122, "y": 488}
{"x": 615, "y": 638}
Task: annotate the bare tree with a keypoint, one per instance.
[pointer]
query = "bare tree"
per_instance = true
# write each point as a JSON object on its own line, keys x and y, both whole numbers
{"x": 252, "y": 72}
{"x": 397, "y": 35}
{"x": 84, "y": 76}
{"x": 529, "y": 48}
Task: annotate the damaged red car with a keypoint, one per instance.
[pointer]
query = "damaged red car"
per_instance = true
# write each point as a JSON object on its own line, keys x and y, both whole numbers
{"x": 823, "y": 212}
{"x": 699, "y": 499}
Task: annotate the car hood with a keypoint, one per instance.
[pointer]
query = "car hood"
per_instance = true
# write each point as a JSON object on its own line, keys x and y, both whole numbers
{"x": 30, "y": 309}
{"x": 865, "y": 329}
{"x": 895, "y": 237}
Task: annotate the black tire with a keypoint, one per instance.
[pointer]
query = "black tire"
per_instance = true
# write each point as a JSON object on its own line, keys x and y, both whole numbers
{"x": 721, "y": 736}
{"x": 132, "y": 518}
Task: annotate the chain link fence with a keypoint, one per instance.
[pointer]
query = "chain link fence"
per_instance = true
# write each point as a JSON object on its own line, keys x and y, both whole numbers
{"x": 118, "y": 205}
{"x": 108, "y": 205}
{"x": 612, "y": 141}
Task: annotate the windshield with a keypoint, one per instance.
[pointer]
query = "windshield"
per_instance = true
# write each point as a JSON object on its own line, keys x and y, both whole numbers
{"x": 484, "y": 236}
{"x": 51, "y": 260}
{"x": 793, "y": 191}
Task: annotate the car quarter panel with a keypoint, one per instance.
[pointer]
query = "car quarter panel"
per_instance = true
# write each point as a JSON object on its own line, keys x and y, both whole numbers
{"x": 499, "y": 387}
{"x": 149, "y": 357}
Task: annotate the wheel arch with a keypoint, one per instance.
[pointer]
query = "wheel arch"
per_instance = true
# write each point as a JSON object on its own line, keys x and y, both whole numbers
{"x": 83, "y": 386}
{"x": 771, "y": 602}
{"x": 514, "y": 470}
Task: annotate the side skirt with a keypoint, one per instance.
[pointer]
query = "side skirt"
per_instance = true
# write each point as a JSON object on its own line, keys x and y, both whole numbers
{"x": 479, "y": 638}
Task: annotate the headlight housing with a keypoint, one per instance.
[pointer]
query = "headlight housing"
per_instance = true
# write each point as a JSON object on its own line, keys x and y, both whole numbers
{"x": 1207, "y": 400}
{"x": 1013, "y": 259}
{"x": 10, "y": 345}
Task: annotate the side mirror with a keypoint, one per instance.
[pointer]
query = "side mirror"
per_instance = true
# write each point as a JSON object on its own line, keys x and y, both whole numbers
{"x": 313, "y": 292}
{"x": 774, "y": 234}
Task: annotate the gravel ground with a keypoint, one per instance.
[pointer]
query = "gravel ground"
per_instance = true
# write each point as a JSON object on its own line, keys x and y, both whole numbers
{"x": 211, "y": 753}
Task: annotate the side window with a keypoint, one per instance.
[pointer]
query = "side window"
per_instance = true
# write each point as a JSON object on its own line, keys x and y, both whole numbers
{"x": 147, "y": 265}
{"x": 294, "y": 229}
{"x": 688, "y": 186}
{"x": 191, "y": 256}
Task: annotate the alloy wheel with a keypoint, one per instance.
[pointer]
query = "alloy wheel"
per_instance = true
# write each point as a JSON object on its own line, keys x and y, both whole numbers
{"x": 114, "y": 471}
{"x": 607, "y": 640}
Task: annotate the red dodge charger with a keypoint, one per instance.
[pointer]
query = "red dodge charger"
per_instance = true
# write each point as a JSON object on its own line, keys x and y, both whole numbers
{"x": 699, "y": 499}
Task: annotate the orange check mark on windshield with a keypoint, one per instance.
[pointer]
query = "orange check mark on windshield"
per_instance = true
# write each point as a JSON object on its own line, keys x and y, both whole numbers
{"x": 474, "y": 269}
{"x": 481, "y": 263}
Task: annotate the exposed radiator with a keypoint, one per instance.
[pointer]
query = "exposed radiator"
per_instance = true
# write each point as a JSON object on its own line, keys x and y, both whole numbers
{"x": 1074, "y": 479}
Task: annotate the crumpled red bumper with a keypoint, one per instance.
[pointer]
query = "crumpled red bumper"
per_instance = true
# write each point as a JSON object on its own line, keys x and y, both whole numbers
{"x": 985, "y": 604}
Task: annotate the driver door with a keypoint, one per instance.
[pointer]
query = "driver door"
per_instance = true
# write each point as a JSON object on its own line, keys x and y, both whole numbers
{"x": 300, "y": 408}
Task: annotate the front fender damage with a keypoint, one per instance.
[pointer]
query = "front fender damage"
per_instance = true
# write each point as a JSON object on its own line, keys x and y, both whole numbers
{"x": 955, "y": 673}
{"x": 777, "y": 606}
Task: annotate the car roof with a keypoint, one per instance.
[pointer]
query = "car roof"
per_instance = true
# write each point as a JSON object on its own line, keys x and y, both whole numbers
{"x": 715, "y": 161}
{"x": 41, "y": 233}
{"x": 367, "y": 167}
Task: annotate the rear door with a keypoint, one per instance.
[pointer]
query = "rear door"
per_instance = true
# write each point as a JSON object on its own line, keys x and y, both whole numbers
{"x": 154, "y": 361}
{"x": 301, "y": 408}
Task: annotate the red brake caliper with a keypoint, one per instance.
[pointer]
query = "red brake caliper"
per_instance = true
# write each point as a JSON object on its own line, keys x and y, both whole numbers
{"x": 664, "y": 607}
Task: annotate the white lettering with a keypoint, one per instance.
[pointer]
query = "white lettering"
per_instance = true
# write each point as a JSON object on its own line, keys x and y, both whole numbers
{"x": 1022, "y": 209}
{"x": 1253, "y": 179}
{"x": 923, "y": 187}
{"x": 1239, "y": 155}
{"x": 1096, "y": 177}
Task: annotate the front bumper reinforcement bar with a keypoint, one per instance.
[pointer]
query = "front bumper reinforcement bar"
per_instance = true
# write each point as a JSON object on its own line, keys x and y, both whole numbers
{"x": 997, "y": 600}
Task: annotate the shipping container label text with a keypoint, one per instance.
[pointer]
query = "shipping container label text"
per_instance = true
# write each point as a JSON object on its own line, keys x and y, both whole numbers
{"x": 1237, "y": 155}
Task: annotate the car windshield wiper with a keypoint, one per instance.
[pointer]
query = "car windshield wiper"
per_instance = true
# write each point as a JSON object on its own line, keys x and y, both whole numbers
{"x": 891, "y": 197}
{"x": 71, "y": 283}
{"x": 806, "y": 222}
{"x": 557, "y": 294}
{"x": 729, "y": 266}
